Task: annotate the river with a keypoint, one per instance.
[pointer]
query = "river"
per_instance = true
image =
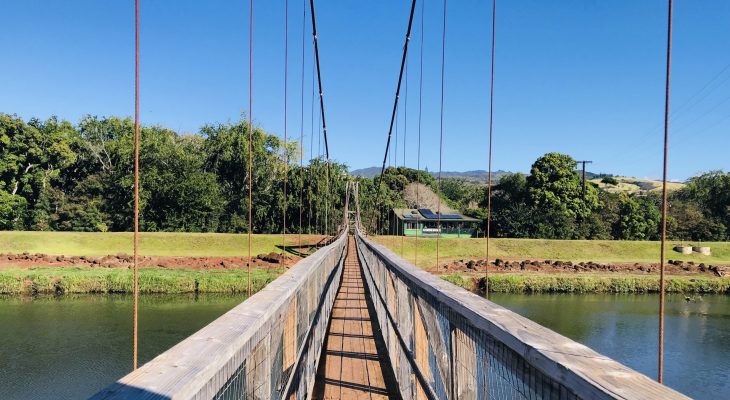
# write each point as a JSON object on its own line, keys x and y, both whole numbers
{"x": 71, "y": 346}
{"x": 624, "y": 327}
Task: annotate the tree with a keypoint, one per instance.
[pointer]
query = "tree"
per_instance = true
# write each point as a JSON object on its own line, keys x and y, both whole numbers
{"x": 639, "y": 219}
{"x": 12, "y": 209}
{"x": 711, "y": 191}
{"x": 32, "y": 156}
{"x": 554, "y": 184}
{"x": 687, "y": 221}
{"x": 462, "y": 194}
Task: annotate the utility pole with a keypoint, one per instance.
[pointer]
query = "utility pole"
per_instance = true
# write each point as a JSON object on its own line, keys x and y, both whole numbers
{"x": 584, "y": 176}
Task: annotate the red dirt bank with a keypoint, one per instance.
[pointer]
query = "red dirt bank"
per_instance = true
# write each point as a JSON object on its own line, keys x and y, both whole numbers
{"x": 26, "y": 260}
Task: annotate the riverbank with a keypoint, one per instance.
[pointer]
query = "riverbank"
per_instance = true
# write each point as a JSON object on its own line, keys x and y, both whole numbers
{"x": 588, "y": 283}
{"x": 75, "y": 280}
{"x": 69, "y": 280}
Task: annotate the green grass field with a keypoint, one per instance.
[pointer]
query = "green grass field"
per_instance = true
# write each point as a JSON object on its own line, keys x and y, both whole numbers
{"x": 150, "y": 244}
{"x": 526, "y": 249}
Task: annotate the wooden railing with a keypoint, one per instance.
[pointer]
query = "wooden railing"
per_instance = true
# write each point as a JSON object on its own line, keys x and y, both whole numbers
{"x": 265, "y": 348}
{"x": 447, "y": 343}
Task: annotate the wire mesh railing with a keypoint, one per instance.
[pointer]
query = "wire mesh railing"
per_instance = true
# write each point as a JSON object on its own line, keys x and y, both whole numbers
{"x": 267, "y": 347}
{"x": 447, "y": 343}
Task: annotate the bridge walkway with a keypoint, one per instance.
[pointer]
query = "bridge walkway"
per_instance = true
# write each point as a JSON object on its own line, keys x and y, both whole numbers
{"x": 354, "y": 363}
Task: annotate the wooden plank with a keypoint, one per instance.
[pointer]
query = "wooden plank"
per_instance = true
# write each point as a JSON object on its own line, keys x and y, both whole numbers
{"x": 421, "y": 352}
{"x": 437, "y": 339}
{"x": 465, "y": 366}
{"x": 356, "y": 371}
{"x": 290, "y": 336}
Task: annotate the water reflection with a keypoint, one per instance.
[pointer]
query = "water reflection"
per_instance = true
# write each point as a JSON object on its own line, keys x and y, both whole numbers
{"x": 624, "y": 327}
{"x": 72, "y": 346}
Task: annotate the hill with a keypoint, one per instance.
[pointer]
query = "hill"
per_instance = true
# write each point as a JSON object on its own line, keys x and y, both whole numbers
{"x": 635, "y": 185}
{"x": 418, "y": 195}
{"x": 478, "y": 175}
{"x": 370, "y": 172}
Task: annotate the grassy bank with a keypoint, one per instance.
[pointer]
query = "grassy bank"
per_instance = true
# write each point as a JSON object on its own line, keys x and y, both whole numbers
{"x": 589, "y": 283}
{"x": 564, "y": 250}
{"x": 151, "y": 280}
{"x": 150, "y": 244}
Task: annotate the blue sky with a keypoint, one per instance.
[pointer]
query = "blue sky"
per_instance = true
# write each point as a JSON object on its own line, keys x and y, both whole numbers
{"x": 584, "y": 77}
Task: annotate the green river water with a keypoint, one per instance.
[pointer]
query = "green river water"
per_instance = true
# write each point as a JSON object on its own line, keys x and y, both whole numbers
{"x": 71, "y": 346}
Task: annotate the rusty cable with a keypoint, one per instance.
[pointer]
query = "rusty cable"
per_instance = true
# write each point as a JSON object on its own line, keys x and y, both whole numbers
{"x": 664, "y": 194}
{"x": 405, "y": 136}
{"x": 420, "y": 114}
{"x": 135, "y": 318}
{"x": 441, "y": 133}
{"x": 286, "y": 92}
{"x": 250, "y": 138}
{"x": 321, "y": 108}
{"x": 489, "y": 174}
{"x": 489, "y": 171}
{"x": 301, "y": 126}
{"x": 395, "y": 106}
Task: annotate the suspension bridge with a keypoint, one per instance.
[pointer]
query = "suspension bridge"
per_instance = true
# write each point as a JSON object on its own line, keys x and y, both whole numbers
{"x": 354, "y": 320}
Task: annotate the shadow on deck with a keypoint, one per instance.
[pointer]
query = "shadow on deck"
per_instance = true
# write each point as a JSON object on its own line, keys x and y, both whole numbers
{"x": 354, "y": 362}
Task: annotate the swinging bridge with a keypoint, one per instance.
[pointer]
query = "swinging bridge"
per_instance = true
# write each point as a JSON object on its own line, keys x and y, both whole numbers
{"x": 354, "y": 320}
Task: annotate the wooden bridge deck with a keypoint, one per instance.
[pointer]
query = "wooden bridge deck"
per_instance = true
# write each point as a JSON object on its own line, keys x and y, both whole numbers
{"x": 354, "y": 362}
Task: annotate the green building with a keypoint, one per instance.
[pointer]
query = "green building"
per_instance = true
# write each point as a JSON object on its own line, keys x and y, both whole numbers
{"x": 424, "y": 222}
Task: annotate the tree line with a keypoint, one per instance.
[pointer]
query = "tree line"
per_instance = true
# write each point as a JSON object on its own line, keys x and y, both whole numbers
{"x": 55, "y": 175}
{"x": 550, "y": 203}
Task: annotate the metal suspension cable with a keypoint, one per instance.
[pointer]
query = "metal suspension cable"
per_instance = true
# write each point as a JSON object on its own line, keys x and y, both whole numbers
{"x": 317, "y": 221}
{"x": 393, "y": 159}
{"x": 393, "y": 163}
{"x": 441, "y": 133}
{"x": 321, "y": 106}
{"x": 135, "y": 319}
{"x": 489, "y": 170}
{"x": 301, "y": 126}
{"x": 250, "y": 139}
{"x": 311, "y": 153}
{"x": 319, "y": 80}
{"x": 405, "y": 117}
{"x": 664, "y": 193}
{"x": 286, "y": 92}
{"x": 405, "y": 136}
{"x": 420, "y": 114}
{"x": 395, "y": 103}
